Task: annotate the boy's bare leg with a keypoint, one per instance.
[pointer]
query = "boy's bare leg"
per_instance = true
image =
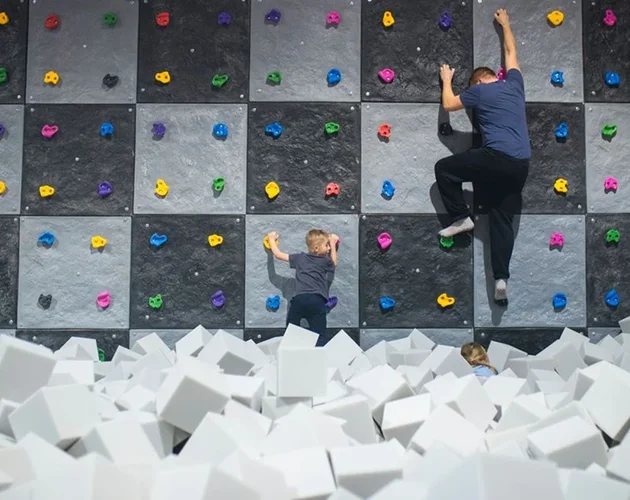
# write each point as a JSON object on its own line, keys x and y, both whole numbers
{"x": 460, "y": 226}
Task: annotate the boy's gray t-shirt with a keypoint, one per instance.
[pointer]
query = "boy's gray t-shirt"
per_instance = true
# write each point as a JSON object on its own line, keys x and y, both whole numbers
{"x": 311, "y": 273}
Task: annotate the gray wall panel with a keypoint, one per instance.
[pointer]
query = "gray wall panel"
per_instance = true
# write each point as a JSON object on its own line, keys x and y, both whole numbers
{"x": 12, "y": 117}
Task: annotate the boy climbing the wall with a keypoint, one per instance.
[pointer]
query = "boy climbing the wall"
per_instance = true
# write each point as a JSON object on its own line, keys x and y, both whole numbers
{"x": 312, "y": 270}
{"x": 501, "y": 166}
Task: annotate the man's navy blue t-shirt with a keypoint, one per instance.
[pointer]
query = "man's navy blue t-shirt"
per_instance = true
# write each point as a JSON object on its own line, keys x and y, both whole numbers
{"x": 500, "y": 109}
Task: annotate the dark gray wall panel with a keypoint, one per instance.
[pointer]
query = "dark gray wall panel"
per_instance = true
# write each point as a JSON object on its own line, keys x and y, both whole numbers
{"x": 77, "y": 159}
{"x": 108, "y": 340}
{"x": 597, "y": 334}
{"x": 9, "y": 247}
{"x": 454, "y": 337}
{"x": 13, "y": 43}
{"x": 530, "y": 340}
{"x": 187, "y": 271}
{"x": 11, "y": 145}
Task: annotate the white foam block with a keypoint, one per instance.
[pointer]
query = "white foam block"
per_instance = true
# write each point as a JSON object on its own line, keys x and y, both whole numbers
{"x": 419, "y": 340}
{"x": 618, "y": 465}
{"x": 377, "y": 354}
{"x": 296, "y": 336}
{"x": 610, "y": 344}
{"x": 499, "y": 354}
{"x": 124, "y": 354}
{"x": 343, "y": 494}
{"x": 522, "y": 366}
{"x": 302, "y": 372}
{"x": 193, "y": 342}
{"x": 576, "y": 338}
{"x": 468, "y": 398}
{"x": 149, "y": 343}
{"x": 236, "y": 410}
{"x": 594, "y": 353}
{"x": 403, "y": 417}
{"x": 401, "y": 490}
{"x": 503, "y": 390}
{"x": 16, "y": 463}
{"x": 581, "y": 485}
{"x": 416, "y": 376}
{"x": 246, "y": 390}
{"x": 445, "y": 359}
{"x": 438, "y": 460}
{"x": 341, "y": 349}
{"x": 274, "y": 408}
{"x": 78, "y": 371}
{"x": 230, "y": 353}
{"x": 161, "y": 434}
{"x": 86, "y": 345}
{"x": 524, "y": 410}
{"x": 137, "y": 398}
{"x": 270, "y": 346}
{"x": 334, "y": 390}
{"x": 411, "y": 357}
{"x": 6, "y": 408}
{"x": 355, "y": 411}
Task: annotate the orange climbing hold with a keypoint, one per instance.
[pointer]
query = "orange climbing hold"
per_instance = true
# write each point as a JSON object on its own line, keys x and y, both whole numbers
{"x": 46, "y": 191}
{"x": 4, "y": 18}
{"x": 555, "y": 17}
{"x": 388, "y": 19}
{"x": 445, "y": 301}
{"x": 51, "y": 77}
{"x": 385, "y": 130}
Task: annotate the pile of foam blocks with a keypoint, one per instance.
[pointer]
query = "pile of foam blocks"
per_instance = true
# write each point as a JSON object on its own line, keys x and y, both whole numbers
{"x": 283, "y": 419}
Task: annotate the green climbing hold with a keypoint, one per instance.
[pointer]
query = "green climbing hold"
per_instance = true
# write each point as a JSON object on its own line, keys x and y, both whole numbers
{"x": 219, "y": 80}
{"x": 218, "y": 183}
{"x": 101, "y": 354}
{"x": 274, "y": 77}
{"x": 332, "y": 128}
{"x": 110, "y": 19}
{"x": 612, "y": 236}
{"x": 156, "y": 301}
{"x": 446, "y": 241}
{"x": 609, "y": 130}
{"x": 4, "y": 76}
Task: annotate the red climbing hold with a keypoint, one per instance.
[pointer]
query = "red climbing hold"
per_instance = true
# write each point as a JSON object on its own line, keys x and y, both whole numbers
{"x": 52, "y": 22}
{"x": 385, "y": 130}
{"x": 332, "y": 189}
{"x": 163, "y": 19}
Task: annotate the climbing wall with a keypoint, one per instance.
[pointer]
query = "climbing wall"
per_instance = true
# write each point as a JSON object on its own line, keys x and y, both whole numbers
{"x": 139, "y": 140}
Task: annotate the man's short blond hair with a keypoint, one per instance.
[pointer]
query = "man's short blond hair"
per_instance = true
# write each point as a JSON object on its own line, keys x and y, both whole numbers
{"x": 315, "y": 238}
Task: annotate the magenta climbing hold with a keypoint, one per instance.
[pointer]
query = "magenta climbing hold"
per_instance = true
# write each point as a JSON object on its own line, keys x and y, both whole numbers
{"x": 48, "y": 131}
{"x": 333, "y": 17}
{"x": 611, "y": 184}
{"x": 609, "y": 18}
{"x": 556, "y": 240}
{"x": 103, "y": 300}
{"x": 384, "y": 240}
{"x": 387, "y": 75}
{"x": 501, "y": 74}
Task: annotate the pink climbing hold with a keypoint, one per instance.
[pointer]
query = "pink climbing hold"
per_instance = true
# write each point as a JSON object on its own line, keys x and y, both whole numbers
{"x": 610, "y": 18}
{"x": 501, "y": 74}
{"x": 611, "y": 184}
{"x": 333, "y": 17}
{"x": 556, "y": 240}
{"x": 384, "y": 241}
{"x": 49, "y": 130}
{"x": 387, "y": 75}
{"x": 103, "y": 300}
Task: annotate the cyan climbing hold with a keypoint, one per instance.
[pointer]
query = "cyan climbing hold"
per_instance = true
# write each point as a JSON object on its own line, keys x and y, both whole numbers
{"x": 562, "y": 130}
{"x": 46, "y": 191}
{"x": 273, "y": 303}
{"x": 103, "y": 300}
{"x": 446, "y": 129}
{"x": 163, "y": 77}
{"x": 612, "y": 298}
{"x": 612, "y": 79}
{"x": 107, "y": 129}
{"x": 218, "y": 183}
{"x": 51, "y": 77}
{"x": 3, "y": 187}
{"x": 557, "y": 78}
{"x": 4, "y": 75}
{"x": 272, "y": 190}
{"x": 214, "y": 240}
{"x": 157, "y": 240}
{"x": 220, "y": 80}
{"x": 387, "y": 75}
{"x": 611, "y": 184}
{"x": 555, "y": 17}
{"x": 384, "y": 241}
{"x": 48, "y": 131}
{"x": 445, "y": 20}
{"x": 388, "y": 19}
{"x": 331, "y": 303}
{"x": 156, "y": 301}
{"x": 110, "y": 19}
{"x": 4, "y": 18}
{"x": 388, "y": 190}
{"x": 609, "y": 18}
{"x": 613, "y": 236}
{"x": 331, "y": 128}
{"x": 559, "y": 301}
{"x": 446, "y": 241}
{"x": 104, "y": 189}
{"x": 333, "y": 18}
{"x": 218, "y": 299}
{"x": 556, "y": 240}
{"x": 333, "y": 77}
{"x": 609, "y": 131}
{"x": 46, "y": 238}
{"x": 561, "y": 186}
{"x": 45, "y": 301}
{"x": 158, "y": 129}
{"x": 273, "y": 16}
{"x": 332, "y": 189}
{"x": 274, "y": 129}
{"x": 385, "y": 130}
{"x": 224, "y": 19}
{"x": 161, "y": 188}
{"x": 98, "y": 242}
{"x": 386, "y": 303}
{"x": 274, "y": 77}
{"x": 444, "y": 300}
{"x": 110, "y": 81}
{"x": 220, "y": 130}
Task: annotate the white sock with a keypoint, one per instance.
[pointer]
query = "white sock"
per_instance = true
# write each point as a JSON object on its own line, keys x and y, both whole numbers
{"x": 500, "y": 289}
{"x": 460, "y": 226}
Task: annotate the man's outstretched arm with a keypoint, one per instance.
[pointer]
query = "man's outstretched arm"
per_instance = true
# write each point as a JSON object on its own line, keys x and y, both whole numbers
{"x": 450, "y": 101}
{"x": 509, "y": 43}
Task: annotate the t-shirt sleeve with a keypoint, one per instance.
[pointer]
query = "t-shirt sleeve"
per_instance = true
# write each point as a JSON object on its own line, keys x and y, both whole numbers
{"x": 471, "y": 96}
{"x": 516, "y": 77}
{"x": 294, "y": 260}
{"x": 330, "y": 266}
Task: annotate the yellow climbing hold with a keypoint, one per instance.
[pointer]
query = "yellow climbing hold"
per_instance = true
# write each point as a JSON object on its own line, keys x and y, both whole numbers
{"x": 161, "y": 188}
{"x": 561, "y": 185}
{"x": 272, "y": 189}
{"x": 4, "y": 18}
{"x": 215, "y": 240}
{"x": 163, "y": 77}
{"x": 445, "y": 301}
{"x": 46, "y": 191}
{"x": 98, "y": 242}
{"x": 555, "y": 17}
{"x": 266, "y": 242}
{"x": 51, "y": 77}
{"x": 3, "y": 187}
{"x": 388, "y": 19}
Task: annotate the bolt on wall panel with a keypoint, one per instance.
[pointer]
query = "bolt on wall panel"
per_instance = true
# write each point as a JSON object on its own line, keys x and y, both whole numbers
{"x": 11, "y": 144}
{"x": 107, "y": 340}
{"x": 13, "y": 42}
{"x": 9, "y": 251}
{"x": 82, "y": 49}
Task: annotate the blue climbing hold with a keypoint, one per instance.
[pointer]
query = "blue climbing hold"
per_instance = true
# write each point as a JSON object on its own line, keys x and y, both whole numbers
{"x": 388, "y": 190}
{"x": 557, "y": 78}
{"x": 46, "y": 238}
{"x": 333, "y": 77}
{"x": 559, "y": 301}
{"x": 220, "y": 130}
{"x": 274, "y": 129}
{"x": 2, "y": 130}
{"x": 157, "y": 240}
{"x": 107, "y": 129}
{"x": 331, "y": 303}
{"x": 386, "y": 303}
{"x": 445, "y": 20}
{"x": 273, "y": 302}
{"x": 612, "y": 298}
{"x": 562, "y": 130}
{"x": 612, "y": 79}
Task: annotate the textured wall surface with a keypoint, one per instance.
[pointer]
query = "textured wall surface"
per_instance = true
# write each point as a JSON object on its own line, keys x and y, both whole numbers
{"x": 107, "y": 340}
{"x": 530, "y": 340}
{"x": 445, "y": 336}
{"x": 170, "y": 337}
{"x": 9, "y": 248}
{"x": 13, "y": 43}
{"x": 12, "y": 117}
{"x": 189, "y": 157}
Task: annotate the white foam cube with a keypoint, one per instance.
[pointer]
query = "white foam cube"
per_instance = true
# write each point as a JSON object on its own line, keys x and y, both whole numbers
{"x": 81, "y": 370}
{"x": 341, "y": 349}
{"x": 246, "y": 390}
{"x": 580, "y": 485}
{"x": 302, "y": 372}
{"x": 567, "y": 360}
{"x": 274, "y": 407}
{"x": 624, "y": 324}
{"x": 235, "y": 410}
{"x": 524, "y": 409}
{"x": 228, "y": 352}
{"x": 296, "y": 336}
{"x": 594, "y": 353}
{"x": 416, "y": 376}
{"x": 359, "y": 365}
{"x": 522, "y": 366}
{"x": 6, "y": 408}
{"x": 148, "y": 344}
{"x": 137, "y": 398}
{"x": 445, "y": 359}
{"x": 438, "y": 460}
{"x": 419, "y": 340}
{"x": 503, "y": 390}
{"x": 86, "y": 345}
{"x": 403, "y": 417}
{"x": 401, "y": 490}
{"x": 499, "y": 354}
{"x": 270, "y": 346}
{"x": 193, "y": 342}
{"x": 16, "y": 463}
{"x": 468, "y": 398}
{"x": 355, "y": 411}
{"x": 334, "y": 390}
{"x": 161, "y": 434}
{"x": 576, "y": 338}
{"x": 610, "y": 344}
{"x": 411, "y": 357}
{"x": 377, "y": 354}
{"x": 343, "y": 494}
{"x": 618, "y": 465}
{"x": 124, "y": 354}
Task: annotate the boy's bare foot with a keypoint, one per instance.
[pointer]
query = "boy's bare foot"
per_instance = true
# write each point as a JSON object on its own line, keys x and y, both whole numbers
{"x": 500, "y": 292}
{"x": 460, "y": 226}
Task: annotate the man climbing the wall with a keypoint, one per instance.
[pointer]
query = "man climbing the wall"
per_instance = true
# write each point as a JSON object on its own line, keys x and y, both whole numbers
{"x": 501, "y": 165}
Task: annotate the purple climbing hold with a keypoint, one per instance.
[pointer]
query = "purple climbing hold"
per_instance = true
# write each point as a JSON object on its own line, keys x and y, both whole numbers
{"x": 331, "y": 303}
{"x": 218, "y": 299}
{"x": 105, "y": 189}
{"x": 2, "y": 130}
{"x": 273, "y": 16}
{"x": 224, "y": 19}
{"x": 445, "y": 20}
{"x": 159, "y": 129}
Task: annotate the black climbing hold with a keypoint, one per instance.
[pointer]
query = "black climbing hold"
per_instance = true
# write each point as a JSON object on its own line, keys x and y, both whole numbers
{"x": 446, "y": 129}
{"x": 45, "y": 300}
{"x": 110, "y": 80}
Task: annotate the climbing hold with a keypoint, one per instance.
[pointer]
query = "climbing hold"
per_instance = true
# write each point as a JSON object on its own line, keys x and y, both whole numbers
{"x": 266, "y": 242}
{"x": 4, "y": 18}
{"x": 333, "y": 17}
{"x": 501, "y": 74}
{"x": 218, "y": 299}
{"x": 272, "y": 190}
{"x": 158, "y": 129}
{"x": 164, "y": 77}
{"x": 110, "y": 19}
{"x": 163, "y": 19}
{"x": 385, "y": 130}
{"x": 99, "y": 242}
{"x": 220, "y": 130}
{"x": 219, "y": 80}
{"x": 612, "y": 79}
{"x": 613, "y": 236}
{"x": 446, "y": 129}
{"x": 557, "y": 78}
{"x": 275, "y": 77}
{"x": 161, "y": 188}
{"x": 2, "y": 130}
{"x": 386, "y": 303}
{"x": 3, "y": 187}
{"x": 273, "y": 16}
{"x": 103, "y": 300}
{"x": 561, "y": 186}
{"x": 609, "y": 18}
{"x": 45, "y": 300}
{"x": 609, "y": 131}
{"x": 388, "y": 190}
{"x": 110, "y": 80}
{"x": 331, "y": 128}
{"x": 332, "y": 189}
{"x": 52, "y": 22}
{"x": 384, "y": 240}
{"x": 107, "y": 129}
{"x": 387, "y": 75}
{"x": 224, "y": 19}
{"x": 333, "y": 77}
{"x": 274, "y": 129}
{"x": 49, "y": 130}
{"x": 101, "y": 355}
{"x": 218, "y": 183}
{"x": 51, "y": 77}
{"x": 559, "y": 301}
{"x": 446, "y": 241}
{"x": 445, "y": 301}
{"x": 612, "y": 298}
{"x": 331, "y": 303}
{"x": 273, "y": 303}
{"x": 46, "y": 238}
{"x": 388, "y": 19}
{"x": 556, "y": 240}
{"x": 555, "y": 17}
{"x": 611, "y": 184}
{"x": 157, "y": 240}
{"x": 104, "y": 189}
{"x": 46, "y": 191}
{"x": 156, "y": 301}
{"x": 562, "y": 130}
{"x": 215, "y": 240}
{"x": 445, "y": 20}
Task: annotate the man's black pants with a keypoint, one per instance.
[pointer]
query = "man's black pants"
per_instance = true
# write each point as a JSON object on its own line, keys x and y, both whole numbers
{"x": 501, "y": 178}
{"x": 312, "y": 307}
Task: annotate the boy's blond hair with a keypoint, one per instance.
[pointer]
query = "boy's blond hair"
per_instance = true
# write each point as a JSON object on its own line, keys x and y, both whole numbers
{"x": 314, "y": 238}
{"x": 476, "y": 355}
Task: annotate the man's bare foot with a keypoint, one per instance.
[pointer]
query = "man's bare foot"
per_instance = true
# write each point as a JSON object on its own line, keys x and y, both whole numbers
{"x": 460, "y": 226}
{"x": 500, "y": 292}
